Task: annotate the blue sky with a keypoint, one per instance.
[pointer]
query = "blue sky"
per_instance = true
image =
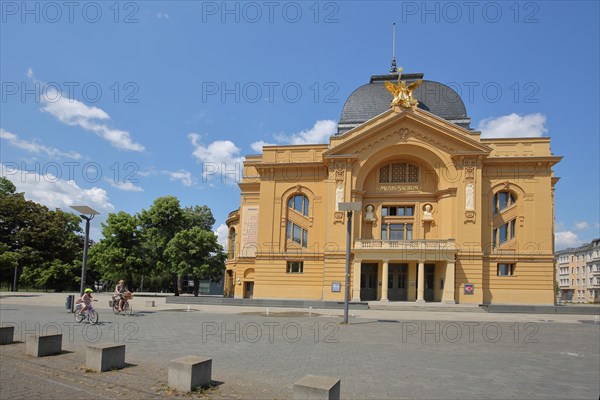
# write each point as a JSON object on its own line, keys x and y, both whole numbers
{"x": 114, "y": 104}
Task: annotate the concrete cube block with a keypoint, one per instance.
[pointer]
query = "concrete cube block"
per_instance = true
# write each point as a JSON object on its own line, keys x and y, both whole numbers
{"x": 105, "y": 356}
{"x": 317, "y": 387}
{"x": 150, "y": 303}
{"x": 186, "y": 373}
{"x": 43, "y": 345}
{"x": 6, "y": 334}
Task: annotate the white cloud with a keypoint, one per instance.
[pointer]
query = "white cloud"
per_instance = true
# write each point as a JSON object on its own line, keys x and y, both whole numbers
{"x": 55, "y": 193}
{"x": 185, "y": 177}
{"x": 222, "y": 234}
{"x": 219, "y": 158}
{"x": 319, "y": 133}
{"x": 566, "y": 239}
{"x": 513, "y": 126}
{"x": 161, "y": 15}
{"x": 125, "y": 186}
{"x": 258, "y": 146}
{"x": 75, "y": 113}
{"x": 36, "y": 147}
{"x": 582, "y": 225}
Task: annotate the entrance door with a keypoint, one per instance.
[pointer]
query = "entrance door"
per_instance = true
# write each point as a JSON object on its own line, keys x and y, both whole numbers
{"x": 368, "y": 281}
{"x": 429, "y": 294}
{"x": 248, "y": 289}
{"x": 397, "y": 286}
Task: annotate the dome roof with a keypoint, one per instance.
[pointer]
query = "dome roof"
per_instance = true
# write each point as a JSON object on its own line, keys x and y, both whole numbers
{"x": 373, "y": 98}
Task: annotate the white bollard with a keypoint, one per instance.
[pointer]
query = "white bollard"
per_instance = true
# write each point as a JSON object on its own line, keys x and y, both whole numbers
{"x": 267, "y": 311}
{"x": 310, "y": 311}
{"x": 188, "y": 309}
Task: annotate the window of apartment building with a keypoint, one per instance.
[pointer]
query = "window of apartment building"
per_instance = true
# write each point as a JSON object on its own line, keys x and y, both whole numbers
{"x": 299, "y": 203}
{"x": 399, "y": 173}
{"x": 297, "y": 234}
{"x": 502, "y": 200}
{"x": 504, "y": 269}
{"x": 295, "y": 267}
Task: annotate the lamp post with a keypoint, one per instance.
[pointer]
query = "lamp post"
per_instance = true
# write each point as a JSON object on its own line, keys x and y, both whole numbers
{"x": 349, "y": 207}
{"x": 86, "y": 213}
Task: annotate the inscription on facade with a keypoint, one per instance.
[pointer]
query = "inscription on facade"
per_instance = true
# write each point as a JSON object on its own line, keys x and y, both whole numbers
{"x": 249, "y": 231}
{"x": 398, "y": 188}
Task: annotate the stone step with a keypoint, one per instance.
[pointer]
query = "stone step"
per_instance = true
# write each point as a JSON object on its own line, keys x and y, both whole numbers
{"x": 226, "y": 301}
{"x": 426, "y": 307}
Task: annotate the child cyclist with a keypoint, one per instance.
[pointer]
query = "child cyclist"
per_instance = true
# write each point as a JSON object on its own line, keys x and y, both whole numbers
{"x": 86, "y": 299}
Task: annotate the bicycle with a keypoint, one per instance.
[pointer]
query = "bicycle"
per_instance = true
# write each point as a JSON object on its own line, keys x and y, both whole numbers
{"x": 126, "y": 307}
{"x": 90, "y": 314}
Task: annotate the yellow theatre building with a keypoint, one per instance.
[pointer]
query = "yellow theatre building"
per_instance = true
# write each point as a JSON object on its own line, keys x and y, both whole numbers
{"x": 445, "y": 216}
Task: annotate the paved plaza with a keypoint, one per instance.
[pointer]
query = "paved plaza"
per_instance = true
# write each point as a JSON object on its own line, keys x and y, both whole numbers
{"x": 381, "y": 354}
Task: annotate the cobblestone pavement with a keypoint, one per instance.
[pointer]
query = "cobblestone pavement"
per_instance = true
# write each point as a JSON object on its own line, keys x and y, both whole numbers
{"x": 258, "y": 356}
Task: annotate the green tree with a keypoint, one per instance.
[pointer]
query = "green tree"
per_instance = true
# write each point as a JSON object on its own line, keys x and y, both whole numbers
{"x": 120, "y": 254}
{"x": 200, "y": 216}
{"x": 159, "y": 224}
{"x": 6, "y": 187}
{"x": 35, "y": 236}
{"x": 196, "y": 252}
{"x": 9, "y": 262}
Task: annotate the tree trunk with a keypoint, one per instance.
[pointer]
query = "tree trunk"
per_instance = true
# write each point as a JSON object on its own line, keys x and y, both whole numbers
{"x": 180, "y": 284}
{"x": 196, "y": 286}
{"x": 175, "y": 284}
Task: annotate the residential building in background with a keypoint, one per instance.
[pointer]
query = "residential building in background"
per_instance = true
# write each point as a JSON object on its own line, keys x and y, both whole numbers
{"x": 578, "y": 273}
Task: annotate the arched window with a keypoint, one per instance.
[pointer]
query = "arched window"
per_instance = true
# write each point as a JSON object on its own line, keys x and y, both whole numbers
{"x": 502, "y": 200}
{"x": 504, "y": 223}
{"x": 232, "y": 243}
{"x": 399, "y": 173}
{"x": 299, "y": 203}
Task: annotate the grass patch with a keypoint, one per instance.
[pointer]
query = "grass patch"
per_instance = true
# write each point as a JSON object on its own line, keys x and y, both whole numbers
{"x": 86, "y": 369}
{"x": 197, "y": 392}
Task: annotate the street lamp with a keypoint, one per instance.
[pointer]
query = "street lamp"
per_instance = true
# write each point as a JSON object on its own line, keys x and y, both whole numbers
{"x": 348, "y": 207}
{"x": 86, "y": 213}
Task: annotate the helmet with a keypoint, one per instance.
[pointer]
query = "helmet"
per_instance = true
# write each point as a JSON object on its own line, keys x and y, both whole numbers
{"x": 88, "y": 290}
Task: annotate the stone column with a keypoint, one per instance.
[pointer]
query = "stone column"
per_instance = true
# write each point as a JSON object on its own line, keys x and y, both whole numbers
{"x": 356, "y": 280}
{"x": 448, "y": 295}
{"x": 421, "y": 283}
{"x": 384, "y": 281}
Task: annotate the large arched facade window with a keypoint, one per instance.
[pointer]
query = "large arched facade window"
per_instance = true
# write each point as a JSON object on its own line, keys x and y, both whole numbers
{"x": 504, "y": 205}
{"x": 231, "y": 244}
{"x": 299, "y": 203}
{"x": 298, "y": 209}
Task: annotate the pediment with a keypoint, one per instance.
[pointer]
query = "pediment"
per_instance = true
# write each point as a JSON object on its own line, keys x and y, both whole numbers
{"x": 391, "y": 128}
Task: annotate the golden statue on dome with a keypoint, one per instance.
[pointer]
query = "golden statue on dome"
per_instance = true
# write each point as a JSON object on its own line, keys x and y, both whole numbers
{"x": 403, "y": 94}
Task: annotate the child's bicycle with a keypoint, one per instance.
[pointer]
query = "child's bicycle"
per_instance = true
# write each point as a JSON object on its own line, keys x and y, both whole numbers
{"x": 126, "y": 306}
{"x": 90, "y": 314}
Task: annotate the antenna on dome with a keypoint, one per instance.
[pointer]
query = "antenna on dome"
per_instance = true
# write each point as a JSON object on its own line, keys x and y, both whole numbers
{"x": 393, "y": 68}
